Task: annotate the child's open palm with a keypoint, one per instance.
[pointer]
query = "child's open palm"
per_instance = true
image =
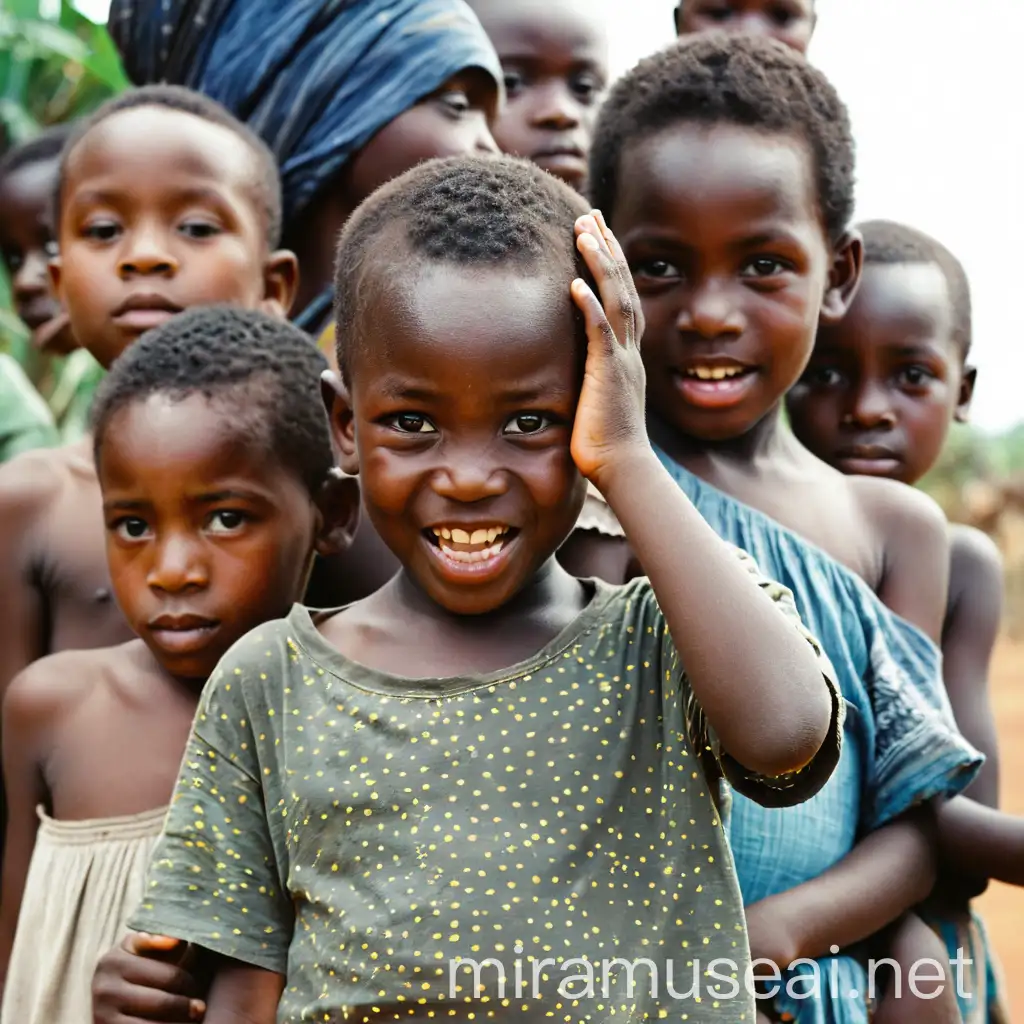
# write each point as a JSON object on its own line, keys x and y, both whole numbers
{"x": 610, "y": 426}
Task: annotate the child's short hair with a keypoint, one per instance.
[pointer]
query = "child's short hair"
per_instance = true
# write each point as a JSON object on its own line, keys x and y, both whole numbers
{"x": 886, "y": 242}
{"x": 748, "y": 81}
{"x": 45, "y": 146}
{"x": 175, "y": 97}
{"x": 267, "y": 370}
{"x": 467, "y": 211}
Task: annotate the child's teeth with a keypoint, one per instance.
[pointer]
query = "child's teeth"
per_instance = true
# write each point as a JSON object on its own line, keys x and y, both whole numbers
{"x": 446, "y": 533}
{"x": 479, "y": 536}
{"x": 460, "y": 537}
{"x": 493, "y": 534}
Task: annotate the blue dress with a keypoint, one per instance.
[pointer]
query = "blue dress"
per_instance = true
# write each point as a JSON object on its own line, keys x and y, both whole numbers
{"x": 900, "y": 743}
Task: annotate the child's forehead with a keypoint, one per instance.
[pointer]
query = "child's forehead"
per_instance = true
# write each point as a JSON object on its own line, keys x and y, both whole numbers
{"x": 29, "y": 187}
{"x": 153, "y": 140}
{"x": 911, "y": 298}
{"x": 489, "y": 318}
{"x": 192, "y": 434}
{"x": 693, "y": 168}
{"x": 532, "y": 27}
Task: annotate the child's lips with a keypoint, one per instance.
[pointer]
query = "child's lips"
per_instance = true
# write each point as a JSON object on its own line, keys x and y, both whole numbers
{"x": 470, "y": 554}
{"x": 182, "y": 634}
{"x": 716, "y": 390}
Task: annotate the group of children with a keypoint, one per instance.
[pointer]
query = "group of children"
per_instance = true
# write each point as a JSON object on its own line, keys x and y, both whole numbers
{"x": 521, "y": 631}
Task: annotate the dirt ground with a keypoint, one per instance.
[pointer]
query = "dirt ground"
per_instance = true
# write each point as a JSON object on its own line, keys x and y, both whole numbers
{"x": 1003, "y": 906}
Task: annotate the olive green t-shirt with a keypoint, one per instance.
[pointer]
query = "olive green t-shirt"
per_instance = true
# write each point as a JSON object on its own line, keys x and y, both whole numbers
{"x": 363, "y": 834}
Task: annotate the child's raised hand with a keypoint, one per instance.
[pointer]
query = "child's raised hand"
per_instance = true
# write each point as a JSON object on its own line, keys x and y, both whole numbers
{"x": 610, "y": 424}
{"x": 144, "y": 979}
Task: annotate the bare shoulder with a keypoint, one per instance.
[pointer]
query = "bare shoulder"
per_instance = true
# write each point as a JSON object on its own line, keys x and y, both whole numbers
{"x": 912, "y": 534}
{"x": 976, "y": 569}
{"x": 31, "y": 483}
{"x": 900, "y": 513}
{"x": 52, "y": 687}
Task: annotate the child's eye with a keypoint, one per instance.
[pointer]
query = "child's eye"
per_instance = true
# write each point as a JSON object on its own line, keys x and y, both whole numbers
{"x": 718, "y": 13}
{"x": 782, "y": 16}
{"x": 514, "y": 83}
{"x": 764, "y": 266}
{"x": 14, "y": 260}
{"x": 587, "y": 87}
{"x": 527, "y": 423}
{"x": 226, "y": 521}
{"x": 916, "y": 376}
{"x": 823, "y": 376}
{"x": 102, "y": 230}
{"x": 131, "y": 528}
{"x": 52, "y": 249}
{"x": 412, "y": 423}
{"x": 658, "y": 269}
{"x": 199, "y": 229}
{"x": 456, "y": 101}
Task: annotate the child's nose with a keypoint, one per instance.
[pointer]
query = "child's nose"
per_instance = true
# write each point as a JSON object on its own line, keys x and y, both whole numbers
{"x": 147, "y": 252}
{"x": 871, "y": 407}
{"x": 556, "y": 107}
{"x": 470, "y": 477}
{"x": 177, "y": 566}
{"x": 711, "y": 312}
{"x": 31, "y": 278}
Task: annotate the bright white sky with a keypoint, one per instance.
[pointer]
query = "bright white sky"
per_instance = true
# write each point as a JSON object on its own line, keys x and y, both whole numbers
{"x": 934, "y": 91}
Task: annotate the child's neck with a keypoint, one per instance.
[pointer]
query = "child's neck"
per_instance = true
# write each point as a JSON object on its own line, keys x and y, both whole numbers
{"x": 768, "y": 439}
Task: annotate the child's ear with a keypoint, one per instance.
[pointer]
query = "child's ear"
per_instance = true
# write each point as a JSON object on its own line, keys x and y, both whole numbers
{"x": 843, "y": 278}
{"x": 342, "y": 422}
{"x": 966, "y": 396}
{"x": 339, "y": 505}
{"x": 280, "y": 283}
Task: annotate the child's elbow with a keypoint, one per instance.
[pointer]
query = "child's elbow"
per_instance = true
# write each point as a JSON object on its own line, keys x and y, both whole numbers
{"x": 796, "y": 739}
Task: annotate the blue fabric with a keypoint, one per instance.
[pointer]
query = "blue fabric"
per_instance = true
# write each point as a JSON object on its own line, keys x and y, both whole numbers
{"x": 316, "y": 79}
{"x": 900, "y": 742}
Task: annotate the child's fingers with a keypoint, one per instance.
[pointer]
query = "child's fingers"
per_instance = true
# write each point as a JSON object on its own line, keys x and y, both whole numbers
{"x": 619, "y": 258}
{"x": 141, "y": 943}
{"x": 593, "y": 314}
{"x": 616, "y": 298}
{"x": 143, "y": 1004}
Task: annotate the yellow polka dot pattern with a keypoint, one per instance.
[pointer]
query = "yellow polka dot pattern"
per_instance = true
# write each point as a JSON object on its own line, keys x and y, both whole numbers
{"x": 363, "y": 835}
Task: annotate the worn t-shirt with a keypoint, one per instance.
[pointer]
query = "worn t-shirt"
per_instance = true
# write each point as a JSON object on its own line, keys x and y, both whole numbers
{"x": 395, "y": 847}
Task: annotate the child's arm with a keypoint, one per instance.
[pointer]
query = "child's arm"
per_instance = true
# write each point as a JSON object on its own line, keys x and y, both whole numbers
{"x": 31, "y": 704}
{"x": 887, "y": 873}
{"x": 755, "y": 677}
{"x": 915, "y": 577}
{"x": 241, "y": 994}
{"x": 969, "y": 636}
{"x": 27, "y": 485}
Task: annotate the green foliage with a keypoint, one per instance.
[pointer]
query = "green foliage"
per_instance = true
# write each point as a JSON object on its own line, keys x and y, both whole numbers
{"x": 52, "y": 70}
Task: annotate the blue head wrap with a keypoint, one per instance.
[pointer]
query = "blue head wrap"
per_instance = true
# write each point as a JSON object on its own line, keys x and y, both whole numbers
{"x": 316, "y": 79}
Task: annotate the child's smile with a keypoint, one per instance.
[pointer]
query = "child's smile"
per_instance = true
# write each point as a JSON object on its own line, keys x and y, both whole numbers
{"x": 464, "y": 390}
{"x": 722, "y": 233}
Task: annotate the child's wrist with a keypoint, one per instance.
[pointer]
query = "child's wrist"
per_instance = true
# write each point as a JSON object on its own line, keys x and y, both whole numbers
{"x": 624, "y": 471}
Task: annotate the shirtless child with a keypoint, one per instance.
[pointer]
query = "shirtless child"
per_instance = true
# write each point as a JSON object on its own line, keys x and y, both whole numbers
{"x": 164, "y": 202}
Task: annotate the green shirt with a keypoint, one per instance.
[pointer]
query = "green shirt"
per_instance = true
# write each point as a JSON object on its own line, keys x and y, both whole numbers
{"x": 360, "y": 833}
{"x": 25, "y": 421}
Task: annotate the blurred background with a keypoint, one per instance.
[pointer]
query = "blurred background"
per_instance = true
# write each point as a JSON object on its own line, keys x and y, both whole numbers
{"x": 931, "y": 85}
